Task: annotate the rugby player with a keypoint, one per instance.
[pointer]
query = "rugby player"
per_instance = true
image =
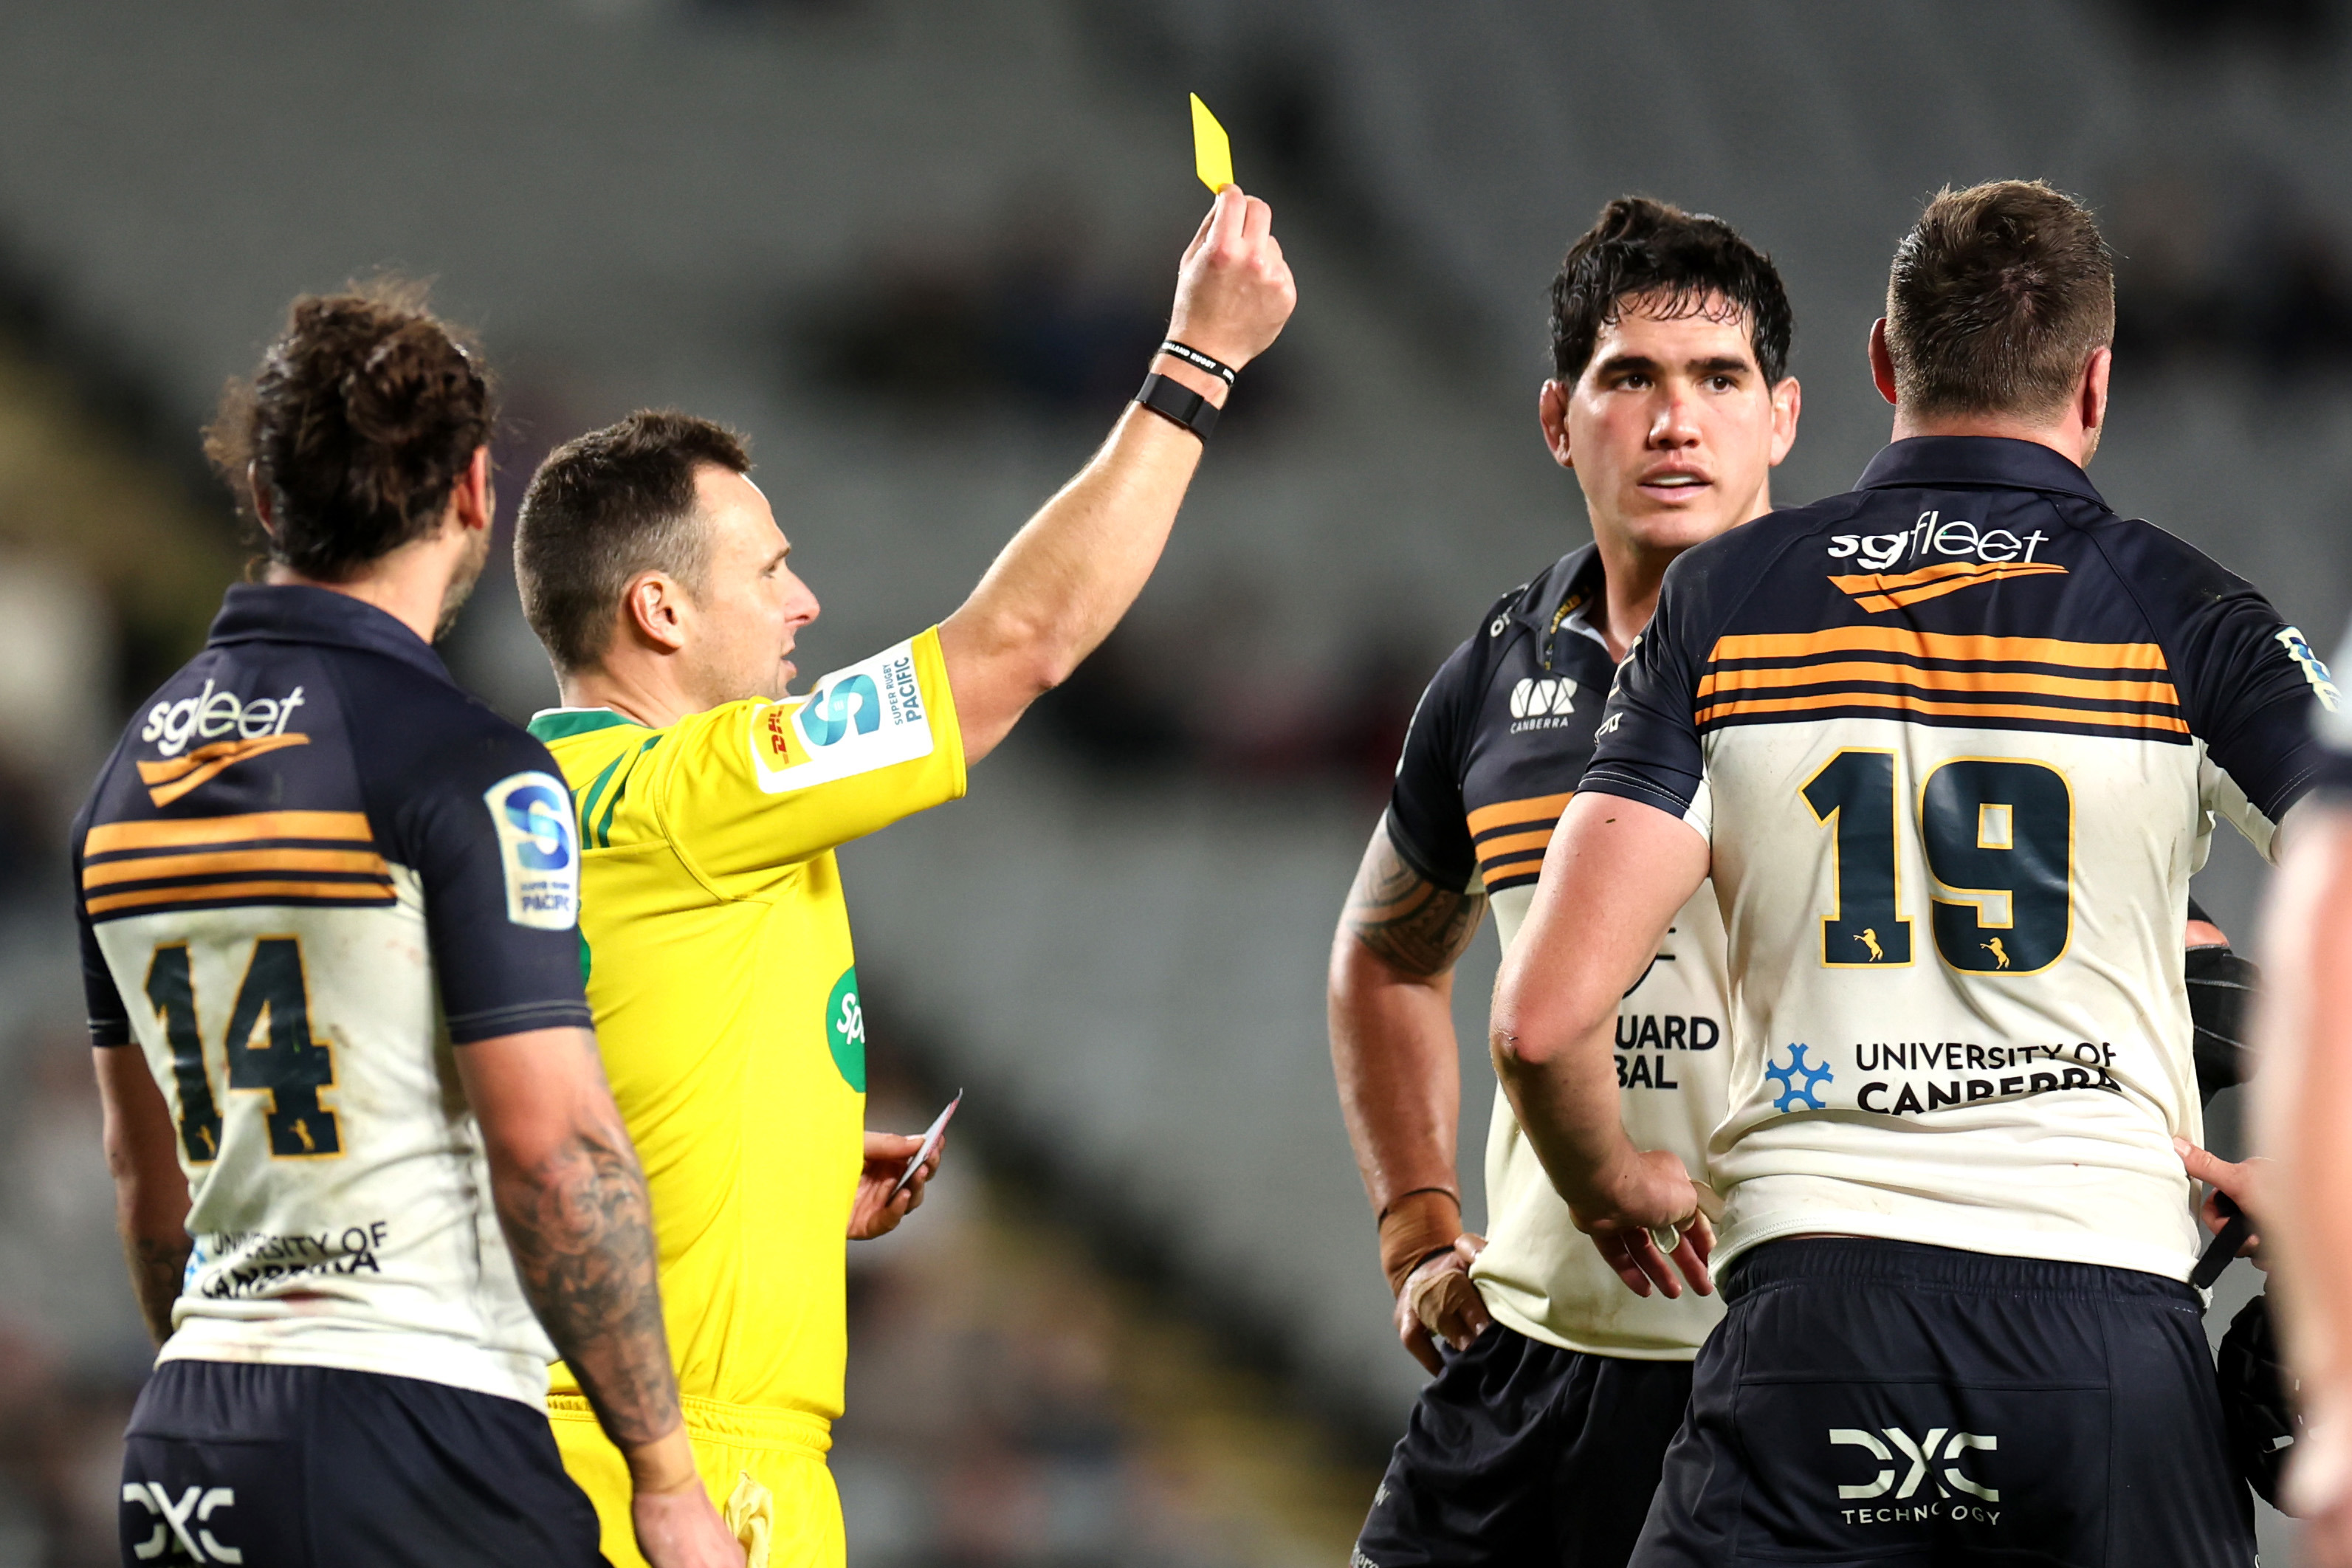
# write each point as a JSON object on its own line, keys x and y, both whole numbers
{"x": 717, "y": 943}
{"x": 2305, "y": 1107}
{"x": 1540, "y": 1438}
{"x": 1947, "y": 745}
{"x": 328, "y": 906}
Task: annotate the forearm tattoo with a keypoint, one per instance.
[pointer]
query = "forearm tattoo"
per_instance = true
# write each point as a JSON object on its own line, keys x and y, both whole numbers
{"x": 1407, "y": 921}
{"x": 157, "y": 1268}
{"x": 581, "y": 1225}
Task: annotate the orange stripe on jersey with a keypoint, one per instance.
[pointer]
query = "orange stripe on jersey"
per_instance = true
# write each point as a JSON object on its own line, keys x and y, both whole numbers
{"x": 1495, "y": 848}
{"x": 1940, "y": 645}
{"x": 168, "y": 781}
{"x": 112, "y": 837}
{"x": 154, "y": 868}
{"x": 1541, "y": 810}
{"x": 1906, "y": 702}
{"x": 252, "y": 892}
{"x": 1877, "y": 592}
{"x": 1886, "y": 671}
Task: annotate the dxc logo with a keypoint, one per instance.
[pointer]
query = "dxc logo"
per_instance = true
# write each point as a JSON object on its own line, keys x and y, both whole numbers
{"x": 1533, "y": 698}
{"x": 830, "y": 712}
{"x": 1922, "y": 1453}
{"x": 172, "y": 1521}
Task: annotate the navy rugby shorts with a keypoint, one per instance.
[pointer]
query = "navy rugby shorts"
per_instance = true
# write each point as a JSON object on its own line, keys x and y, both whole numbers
{"x": 1898, "y": 1406}
{"x": 1521, "y": 1453}
{"x": 287, "y": 1466}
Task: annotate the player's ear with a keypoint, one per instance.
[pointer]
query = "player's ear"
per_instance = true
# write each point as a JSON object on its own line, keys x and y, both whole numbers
{"x": 1551, "y": 412}
{"x": 471, "y": 494}
{"x": 1788, "y": 402}
{"x": 1882, "y": 363}
{"x": 653, "y": 609}
{"x": 260, "y": 500}
{"x": 2092, "y": 392}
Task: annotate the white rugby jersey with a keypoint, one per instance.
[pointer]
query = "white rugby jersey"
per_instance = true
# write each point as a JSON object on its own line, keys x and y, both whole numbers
{"x": 1496, "y": 744}
{"x": 1956, "y": 739}
{"x": 311, "y": 871}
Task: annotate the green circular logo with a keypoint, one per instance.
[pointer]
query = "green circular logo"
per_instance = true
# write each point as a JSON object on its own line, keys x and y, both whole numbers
{"x": 845, "y": 1029}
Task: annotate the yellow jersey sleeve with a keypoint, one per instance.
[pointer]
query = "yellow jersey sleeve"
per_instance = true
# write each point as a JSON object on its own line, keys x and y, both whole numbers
{"x": 749, "y": 788}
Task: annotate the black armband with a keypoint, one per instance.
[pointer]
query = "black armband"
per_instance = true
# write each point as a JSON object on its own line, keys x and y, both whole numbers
{"x": 2221, "y": 987}
{"x": 1179, "y": 405}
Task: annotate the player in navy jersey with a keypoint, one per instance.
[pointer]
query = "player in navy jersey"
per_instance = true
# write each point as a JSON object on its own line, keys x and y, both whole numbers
{"x": 1949, "y": 746}
{"x": 1540, "y": 1438}
{"x": 328, "y": 908}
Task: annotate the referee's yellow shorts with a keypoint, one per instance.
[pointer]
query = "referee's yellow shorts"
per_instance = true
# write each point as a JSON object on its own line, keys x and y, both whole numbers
{"x": 783, "y": 1450}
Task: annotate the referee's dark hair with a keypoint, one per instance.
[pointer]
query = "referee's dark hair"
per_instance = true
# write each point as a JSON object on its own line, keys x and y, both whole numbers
{"x": 1997, "y": 296}
{"x": 364, "y": 414}
{"x": 604, "y": 507}
{"x": 1673, "y": 263}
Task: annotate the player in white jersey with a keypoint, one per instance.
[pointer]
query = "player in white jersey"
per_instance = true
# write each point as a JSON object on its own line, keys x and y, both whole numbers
{"x": 329, "y": 916}
{"x": 1540, "y": 1438}
{"x": 1949, "y": 746}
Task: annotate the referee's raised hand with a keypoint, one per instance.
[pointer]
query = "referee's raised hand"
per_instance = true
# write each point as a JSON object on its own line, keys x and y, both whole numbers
{"x": 1234, "y": 289}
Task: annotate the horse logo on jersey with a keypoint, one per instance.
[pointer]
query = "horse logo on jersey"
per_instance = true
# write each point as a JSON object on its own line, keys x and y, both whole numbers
{"x": 1799, "y": 1080}
{"x": 1999, "y": 953}
{"x": 1869, "y": 939}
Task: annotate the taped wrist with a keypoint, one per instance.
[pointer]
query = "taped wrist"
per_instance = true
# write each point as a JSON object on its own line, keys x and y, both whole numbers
{"x": 2222, "y": 988}
{"x": 1414, "y": 1226}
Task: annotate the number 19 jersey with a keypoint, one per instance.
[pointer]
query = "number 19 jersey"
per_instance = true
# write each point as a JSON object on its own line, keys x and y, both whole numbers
{"x": 1956, "y": 739}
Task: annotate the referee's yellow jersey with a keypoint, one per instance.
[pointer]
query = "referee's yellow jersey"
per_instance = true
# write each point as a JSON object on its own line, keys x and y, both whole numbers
{"x": 720, "y": 968}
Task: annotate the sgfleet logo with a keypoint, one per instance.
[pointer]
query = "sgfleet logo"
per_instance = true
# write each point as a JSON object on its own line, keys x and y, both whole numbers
{"x": 1970, "y": 555}
{"x": 1933, "y": 1458}
{"x": 247, "y": 728}
{"x": 537, "y": 849}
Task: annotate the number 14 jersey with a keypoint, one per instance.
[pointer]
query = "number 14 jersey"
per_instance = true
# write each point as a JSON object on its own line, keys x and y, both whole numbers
{"x": 1956, "y": 739}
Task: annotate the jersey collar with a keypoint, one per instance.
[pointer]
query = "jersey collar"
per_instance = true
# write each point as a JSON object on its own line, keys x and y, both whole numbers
{"x": 1974, "y": 461}
{"x": 557, "y": 723}
{"x": 296, "y": 613}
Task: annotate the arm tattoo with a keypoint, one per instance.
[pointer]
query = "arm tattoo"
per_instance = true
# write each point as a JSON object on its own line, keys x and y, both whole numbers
{"x": 581, "y": 1227}
{"x": 1408, "y": 922}
{"x": 157, "y": 1268}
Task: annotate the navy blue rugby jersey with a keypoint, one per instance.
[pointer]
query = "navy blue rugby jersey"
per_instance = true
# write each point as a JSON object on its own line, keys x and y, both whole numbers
{"x": 313, "y": 867}
{"x": 1496, "y": 747}
{"x": 1957, "y": 739}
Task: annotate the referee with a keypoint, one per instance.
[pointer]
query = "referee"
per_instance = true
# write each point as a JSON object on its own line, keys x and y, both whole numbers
{"x": 328, "y": 922}
{"x": 711, "y": 803}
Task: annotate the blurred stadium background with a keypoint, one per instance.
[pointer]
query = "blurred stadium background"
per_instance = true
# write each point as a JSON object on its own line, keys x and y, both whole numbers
{"x": 918, "y": 251}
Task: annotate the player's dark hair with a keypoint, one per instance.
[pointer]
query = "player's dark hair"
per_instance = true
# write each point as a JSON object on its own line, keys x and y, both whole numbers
{"x": 1997, "y": 296}
{"x": 606, "y": 507}
{"x": 1674, "y": 263}
{"x": 364, "y": 414}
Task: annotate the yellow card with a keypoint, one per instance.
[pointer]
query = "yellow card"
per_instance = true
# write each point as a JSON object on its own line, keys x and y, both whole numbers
{"x": 1213, "y": 153}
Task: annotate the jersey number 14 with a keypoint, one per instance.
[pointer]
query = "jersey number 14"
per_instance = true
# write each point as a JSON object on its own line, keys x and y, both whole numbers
{"x": 1998, "y": 831}
{"x": 268, "y": 1048}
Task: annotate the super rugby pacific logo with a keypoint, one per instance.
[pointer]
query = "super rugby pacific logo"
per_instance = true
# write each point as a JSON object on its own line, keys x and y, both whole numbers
{"x": 537, "y": 850}
{"x": 834, "y": 711}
